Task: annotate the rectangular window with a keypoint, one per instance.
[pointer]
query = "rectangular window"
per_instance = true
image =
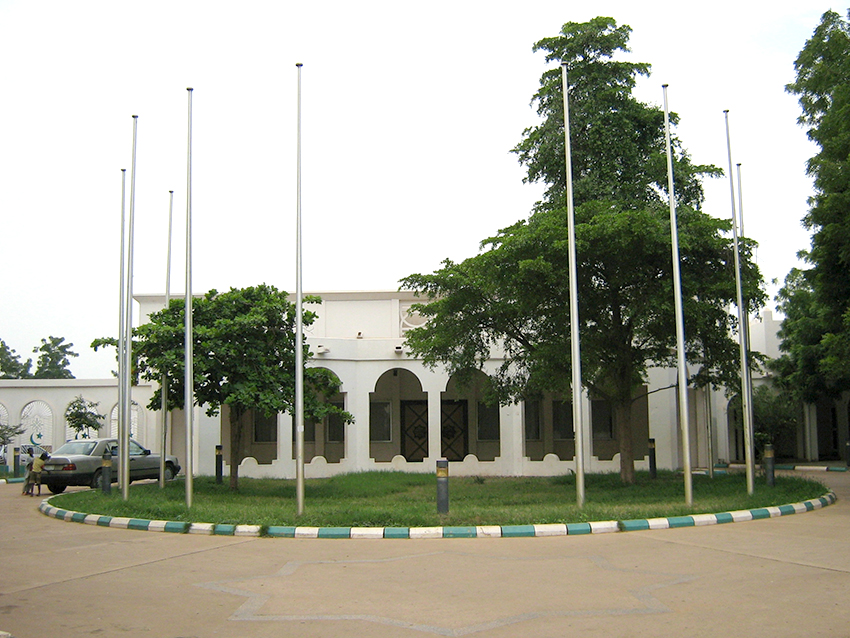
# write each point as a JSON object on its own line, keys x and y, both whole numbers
{"x": 488, "y": 422}
{"x": 380, "y": 421}
{"x": 531, "y": 412}
{"x": 562, "y": 420}
{"x": 602, "y": 418}
{"x": 265, "y": 428}
{"x": 334, "y": 426}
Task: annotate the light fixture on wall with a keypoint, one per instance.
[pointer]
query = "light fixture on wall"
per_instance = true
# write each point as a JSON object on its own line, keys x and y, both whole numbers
{"x": 322, "y": 350}
{"x": 359, "y": 335}
{"x": 399, "y": 350}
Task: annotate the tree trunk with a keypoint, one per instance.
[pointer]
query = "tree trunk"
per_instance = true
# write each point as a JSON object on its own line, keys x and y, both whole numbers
{"x": 235, "y": 446}
{"x": 623, "y": 425}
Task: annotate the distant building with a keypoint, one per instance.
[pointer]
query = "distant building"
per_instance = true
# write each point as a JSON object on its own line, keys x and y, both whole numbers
{"x": 408, "y": 416}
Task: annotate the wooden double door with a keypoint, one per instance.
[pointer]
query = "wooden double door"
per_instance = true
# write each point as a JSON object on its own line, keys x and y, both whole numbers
{"x": 454, "y": 430}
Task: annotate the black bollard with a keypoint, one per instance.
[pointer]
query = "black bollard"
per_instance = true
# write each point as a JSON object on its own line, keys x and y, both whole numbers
{"x": 442, "y": 486}
{"x": 16, "y": 461}
{"x": 847, "y": 454}
{"x": 106, "y": 473}
{"x": 653, "y": 469}
{"x": 769, "y": 465}
{"x": 219, "y": 464}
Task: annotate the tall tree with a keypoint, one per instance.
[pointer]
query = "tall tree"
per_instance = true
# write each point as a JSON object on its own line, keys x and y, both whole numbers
{"x": 11, "y": 366}
{"x": 617, "y": 141}
{"x": 816, "y": 301}
{"x": 244, "y": 345}
{"x": 514, "y": 295}
{"x": 54, "y": 357}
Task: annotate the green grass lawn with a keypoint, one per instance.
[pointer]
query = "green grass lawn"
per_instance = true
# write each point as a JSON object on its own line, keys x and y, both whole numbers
{"x": 396, "y": 499}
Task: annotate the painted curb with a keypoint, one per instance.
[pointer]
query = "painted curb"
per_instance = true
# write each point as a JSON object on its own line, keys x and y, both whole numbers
{"x": 784, "y": 466}
{"x": 483, "y": 531}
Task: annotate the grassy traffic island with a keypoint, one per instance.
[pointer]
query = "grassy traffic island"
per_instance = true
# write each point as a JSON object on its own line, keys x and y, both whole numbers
{"x": 396, "y": 499}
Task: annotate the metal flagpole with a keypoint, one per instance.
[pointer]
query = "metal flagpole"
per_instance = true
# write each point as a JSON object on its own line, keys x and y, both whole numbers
{"x": 746, "y": 324}
{"x": 740, "y": 202}
{"x": 710, "y": 438}
{"x": 124, "y": 455}
{"x": 574, "y": 332}
{"x": 746, "y": 395}
{"x": 122, "y": 301}
{"x": 164, "y": 382}
{"x": 299, "y": 328}
{"x": 680, "y": 318}
{"x": 188, "y": 380}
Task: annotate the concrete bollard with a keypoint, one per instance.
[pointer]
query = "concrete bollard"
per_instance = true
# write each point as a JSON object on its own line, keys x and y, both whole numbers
{"x": 769, "y": 465}
{"x": 106, "y": 474}
{"x": 219, "y": 464}
{"x": 653, "y": 468}
{"x": 442, "y": 486}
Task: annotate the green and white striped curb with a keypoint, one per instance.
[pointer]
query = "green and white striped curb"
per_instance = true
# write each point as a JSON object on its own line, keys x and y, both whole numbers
{"x": 788, "y": 466}
{"x": 481, "y": 531}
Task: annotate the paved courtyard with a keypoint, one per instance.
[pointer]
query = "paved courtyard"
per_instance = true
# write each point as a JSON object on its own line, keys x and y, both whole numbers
{"x": 786, "y": 576}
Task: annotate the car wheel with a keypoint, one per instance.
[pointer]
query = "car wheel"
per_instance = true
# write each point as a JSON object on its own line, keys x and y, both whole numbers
{"x": 55, "y": 489}
{"x": 169, "y": 472}
{"x": 97, "y": 480}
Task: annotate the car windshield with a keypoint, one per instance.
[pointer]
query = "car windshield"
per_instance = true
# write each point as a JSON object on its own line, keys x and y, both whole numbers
{"x": 77, "y": 447}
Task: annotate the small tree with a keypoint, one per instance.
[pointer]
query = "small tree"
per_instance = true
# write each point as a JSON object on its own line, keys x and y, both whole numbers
{"x": 244, "y": 358}
{"x": 775, "y": 416}
{"x": 82, "y": 416}
{"x": 8, "y": 433}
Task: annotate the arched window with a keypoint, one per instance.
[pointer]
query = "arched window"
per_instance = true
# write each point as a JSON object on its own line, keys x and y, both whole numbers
{"x": 37, "y": 420}
{"x": 134, "y": 422}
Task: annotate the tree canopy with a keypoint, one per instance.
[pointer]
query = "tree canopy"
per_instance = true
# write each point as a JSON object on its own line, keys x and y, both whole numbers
{"x": 53, "y": 361}
{"x": 816, "y": 300}
{"x": 617, "y": 141}
{"x": 54, "y": 357}
{"x": 11, "y": 366}
{"x": 514, "y": 295}
{"x": 244, "y": 358}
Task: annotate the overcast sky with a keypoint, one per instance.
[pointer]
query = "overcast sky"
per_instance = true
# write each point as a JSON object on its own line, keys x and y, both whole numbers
{"x": 409, "y": 113}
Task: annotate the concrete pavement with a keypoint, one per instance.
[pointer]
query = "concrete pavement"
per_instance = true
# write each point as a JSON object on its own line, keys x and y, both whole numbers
{"x": 787, "y": 576}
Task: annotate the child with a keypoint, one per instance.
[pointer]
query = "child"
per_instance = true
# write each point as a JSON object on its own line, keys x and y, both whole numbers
{"x": 36, "y": 470}
{"x": 28, "y": 480}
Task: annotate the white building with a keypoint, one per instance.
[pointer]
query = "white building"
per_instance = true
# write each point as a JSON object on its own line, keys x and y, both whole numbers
{"x": 406, "y": 415}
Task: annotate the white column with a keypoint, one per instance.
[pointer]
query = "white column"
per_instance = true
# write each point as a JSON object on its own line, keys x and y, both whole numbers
{"x": 284, "y": 446}
{"x": 357, "y": 455}
{"x": 433, "y": 384}
{"x": 511, "y": 439}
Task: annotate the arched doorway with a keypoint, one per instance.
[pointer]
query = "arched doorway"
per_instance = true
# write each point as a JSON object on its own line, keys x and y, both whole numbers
{"x": 469, "y": 424}
{"x": 398, "y": 417}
